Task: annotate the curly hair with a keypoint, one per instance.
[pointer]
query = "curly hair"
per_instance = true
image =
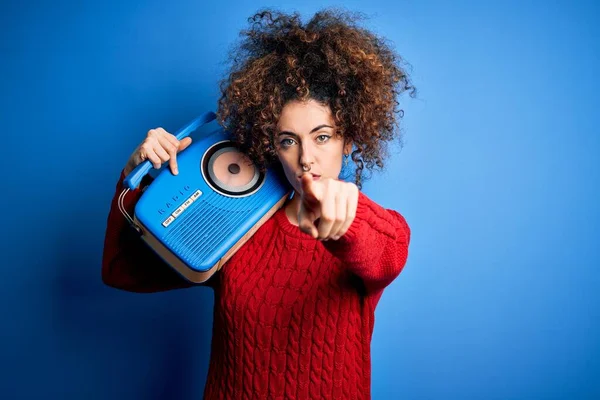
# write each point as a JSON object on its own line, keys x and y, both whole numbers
{"x": 329, "y": 59}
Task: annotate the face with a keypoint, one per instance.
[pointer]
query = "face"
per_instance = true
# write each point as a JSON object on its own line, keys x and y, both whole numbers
{"x": 306, "y": 136}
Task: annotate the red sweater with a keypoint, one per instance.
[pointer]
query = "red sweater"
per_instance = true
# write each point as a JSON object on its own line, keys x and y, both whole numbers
{"x": 293, "y": 316}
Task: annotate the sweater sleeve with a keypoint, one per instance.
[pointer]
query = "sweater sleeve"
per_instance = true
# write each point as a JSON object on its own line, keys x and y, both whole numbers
{"x": 128, "y": 263}
{"x": 375, "y": 247}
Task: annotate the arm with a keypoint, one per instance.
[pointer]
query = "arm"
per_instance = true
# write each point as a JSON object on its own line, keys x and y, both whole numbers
{"x": 127, "y": 262}
{"x": 375, "y": 247}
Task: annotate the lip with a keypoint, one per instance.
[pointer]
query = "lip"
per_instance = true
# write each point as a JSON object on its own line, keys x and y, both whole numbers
{"x": 314, "y": 176}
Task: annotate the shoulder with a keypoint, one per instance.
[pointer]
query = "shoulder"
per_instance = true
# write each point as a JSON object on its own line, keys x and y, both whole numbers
{"x": 386, "y": 220}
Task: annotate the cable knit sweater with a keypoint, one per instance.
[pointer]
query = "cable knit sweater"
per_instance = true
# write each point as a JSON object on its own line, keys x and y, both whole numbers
{"x": 293, "y": 316}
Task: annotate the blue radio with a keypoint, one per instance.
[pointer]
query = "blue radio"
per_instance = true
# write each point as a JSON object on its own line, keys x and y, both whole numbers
{"x": 198, "y": 219}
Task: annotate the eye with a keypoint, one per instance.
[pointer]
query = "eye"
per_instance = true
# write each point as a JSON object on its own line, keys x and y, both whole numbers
{"x": 323, "y": 138}
{"x": 287, "y": 142}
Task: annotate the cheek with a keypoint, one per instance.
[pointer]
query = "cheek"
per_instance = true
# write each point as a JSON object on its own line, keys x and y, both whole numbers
{"x": 289, "y": 169}
{"x": 335, "y": 159}
{"x": 283, "y": 160}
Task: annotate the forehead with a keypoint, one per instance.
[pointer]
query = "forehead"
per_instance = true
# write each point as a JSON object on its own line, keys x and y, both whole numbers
{"x": 302, "y": 116}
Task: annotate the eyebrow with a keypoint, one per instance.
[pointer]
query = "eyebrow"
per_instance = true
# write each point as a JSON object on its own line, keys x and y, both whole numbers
{"x": 313, "y": 131}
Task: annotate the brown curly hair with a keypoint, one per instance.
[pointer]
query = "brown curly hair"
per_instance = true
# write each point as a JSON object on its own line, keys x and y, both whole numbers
{"x": 329, "y": 59}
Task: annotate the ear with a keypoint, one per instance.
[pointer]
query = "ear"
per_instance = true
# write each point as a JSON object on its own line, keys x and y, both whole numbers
{"x": 348, "y": 147}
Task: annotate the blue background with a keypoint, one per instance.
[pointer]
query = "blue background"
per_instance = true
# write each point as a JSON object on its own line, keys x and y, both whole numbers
{"x": 498, "y": 179}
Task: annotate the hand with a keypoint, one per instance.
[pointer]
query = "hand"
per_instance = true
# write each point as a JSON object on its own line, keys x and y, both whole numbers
{"x": 159, "y": 146}
{"x": 332, "y": 202}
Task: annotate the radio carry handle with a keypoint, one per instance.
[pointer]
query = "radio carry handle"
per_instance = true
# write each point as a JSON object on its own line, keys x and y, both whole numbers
{"x": 134, "y": 178}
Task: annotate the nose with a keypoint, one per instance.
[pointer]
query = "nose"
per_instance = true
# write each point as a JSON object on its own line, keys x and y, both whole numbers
{"x": 306, "y": 154}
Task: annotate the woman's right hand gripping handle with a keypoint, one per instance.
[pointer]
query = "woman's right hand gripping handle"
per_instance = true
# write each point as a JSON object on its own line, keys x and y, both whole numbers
{"x": 159, "y": 146}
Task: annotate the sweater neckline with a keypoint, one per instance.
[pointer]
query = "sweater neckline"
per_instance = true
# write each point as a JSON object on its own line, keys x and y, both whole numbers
{"x": 290, "y": 229}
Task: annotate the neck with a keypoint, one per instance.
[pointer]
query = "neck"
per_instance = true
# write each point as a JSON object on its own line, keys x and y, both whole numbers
{"x": 292, "y": 208}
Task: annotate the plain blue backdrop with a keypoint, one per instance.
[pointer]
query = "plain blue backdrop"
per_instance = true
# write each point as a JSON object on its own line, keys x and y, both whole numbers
{"x": 498, "y": 180}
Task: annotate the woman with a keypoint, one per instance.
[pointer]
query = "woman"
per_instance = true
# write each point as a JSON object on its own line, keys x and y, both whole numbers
{"x": 294, "y": 307}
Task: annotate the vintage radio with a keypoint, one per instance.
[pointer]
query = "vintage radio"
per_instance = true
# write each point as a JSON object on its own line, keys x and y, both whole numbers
{"x": 198, "y": 219}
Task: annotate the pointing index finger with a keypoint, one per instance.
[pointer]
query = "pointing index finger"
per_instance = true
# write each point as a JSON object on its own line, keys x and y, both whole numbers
{"x": 307, "y": 186}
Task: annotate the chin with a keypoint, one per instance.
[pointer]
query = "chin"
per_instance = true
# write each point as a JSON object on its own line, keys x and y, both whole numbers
{"x": 294, "y": 184}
